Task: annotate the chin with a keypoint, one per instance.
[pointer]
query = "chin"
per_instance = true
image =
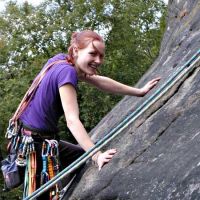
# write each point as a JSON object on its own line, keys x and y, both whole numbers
{"x": 91, "y": 74}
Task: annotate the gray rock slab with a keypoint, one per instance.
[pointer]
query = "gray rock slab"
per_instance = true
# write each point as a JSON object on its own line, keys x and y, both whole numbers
{"x": 158, "y": 155}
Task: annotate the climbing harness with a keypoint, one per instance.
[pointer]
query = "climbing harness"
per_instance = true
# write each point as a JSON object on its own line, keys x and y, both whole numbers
{"x": 179, "y": 73}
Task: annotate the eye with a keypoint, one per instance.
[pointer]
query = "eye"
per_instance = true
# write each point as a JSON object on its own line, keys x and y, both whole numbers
{"x": 101, "y": 56}
{"x": 93, "y": 53}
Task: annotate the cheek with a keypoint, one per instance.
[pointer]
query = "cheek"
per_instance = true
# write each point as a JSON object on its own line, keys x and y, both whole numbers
{"x": 82, "y": 62}
{"x": 82, "y": 57}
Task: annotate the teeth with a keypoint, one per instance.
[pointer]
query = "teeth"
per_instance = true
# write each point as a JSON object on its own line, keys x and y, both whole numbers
{"x": 93, "y": 66}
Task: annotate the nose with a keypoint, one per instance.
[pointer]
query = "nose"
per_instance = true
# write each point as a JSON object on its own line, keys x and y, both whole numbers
{"x": 98, "y": 60}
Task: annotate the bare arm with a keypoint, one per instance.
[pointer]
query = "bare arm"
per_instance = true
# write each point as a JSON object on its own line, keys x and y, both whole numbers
{"x": 112, "y": 86}
{"x": 70, "y": 106}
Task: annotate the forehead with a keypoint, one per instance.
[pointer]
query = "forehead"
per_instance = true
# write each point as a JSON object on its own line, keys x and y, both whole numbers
{"x": 97, "y": 46}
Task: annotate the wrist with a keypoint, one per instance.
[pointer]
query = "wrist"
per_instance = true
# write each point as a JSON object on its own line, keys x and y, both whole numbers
{"x": 96, "y": 156}
{"x": 142, "y": 92}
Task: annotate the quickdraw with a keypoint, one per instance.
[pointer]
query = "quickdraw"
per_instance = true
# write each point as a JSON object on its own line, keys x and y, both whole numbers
{"x": 11, "y": 130}
{"x": 27, "y": 157}
{"x": 44, "y": 174}
{"x": 30, "y": 174}
{"x": 32, "y": 171}
{"x": 13, "y": 133}
{"x": 25, "y": 148}
{"x": 50, "y": 165}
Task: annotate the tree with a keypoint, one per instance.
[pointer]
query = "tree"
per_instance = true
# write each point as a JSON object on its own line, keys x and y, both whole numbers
{"x": 30, "y": 35}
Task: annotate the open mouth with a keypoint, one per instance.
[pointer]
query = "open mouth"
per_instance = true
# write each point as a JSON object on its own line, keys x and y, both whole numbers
{"x": 95, "y": 66}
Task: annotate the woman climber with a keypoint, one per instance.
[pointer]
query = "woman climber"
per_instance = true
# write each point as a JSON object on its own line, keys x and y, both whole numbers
{"x": 56, "y": 94}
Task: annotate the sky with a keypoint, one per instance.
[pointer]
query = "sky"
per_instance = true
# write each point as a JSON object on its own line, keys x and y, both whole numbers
{"x": 34, "y": 2}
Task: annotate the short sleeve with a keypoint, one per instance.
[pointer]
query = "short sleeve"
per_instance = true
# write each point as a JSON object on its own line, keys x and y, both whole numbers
{"x": 67, "y": 75}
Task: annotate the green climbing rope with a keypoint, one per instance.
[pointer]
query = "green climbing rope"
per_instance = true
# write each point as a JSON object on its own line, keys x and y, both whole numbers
{"x": 173, "y": 79}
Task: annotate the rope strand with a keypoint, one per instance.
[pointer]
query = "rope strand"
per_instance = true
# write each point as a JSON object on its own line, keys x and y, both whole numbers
{"x": 179, "y": 73}
{"x": 31, "y": 91}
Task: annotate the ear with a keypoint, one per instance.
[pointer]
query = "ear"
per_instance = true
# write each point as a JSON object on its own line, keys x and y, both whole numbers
{"x": 75, "y": 51}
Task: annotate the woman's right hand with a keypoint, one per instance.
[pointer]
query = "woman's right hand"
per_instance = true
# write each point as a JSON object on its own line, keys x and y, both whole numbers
{"x": 103, "y": 158}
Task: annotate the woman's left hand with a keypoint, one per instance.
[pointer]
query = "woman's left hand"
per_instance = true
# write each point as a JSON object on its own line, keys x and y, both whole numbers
{"x": 103, "y": 158}
{"x": 151, "y": 84}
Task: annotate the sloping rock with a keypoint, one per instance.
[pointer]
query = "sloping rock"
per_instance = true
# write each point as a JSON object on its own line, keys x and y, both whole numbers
{"x": 158, "y": 155}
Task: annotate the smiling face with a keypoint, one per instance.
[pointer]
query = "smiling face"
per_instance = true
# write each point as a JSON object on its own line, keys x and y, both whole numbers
{"x": 90, "y": 58}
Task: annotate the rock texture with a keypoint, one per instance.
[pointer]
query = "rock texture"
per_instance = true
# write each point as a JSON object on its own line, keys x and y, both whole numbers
{"x": 158, "y": 155}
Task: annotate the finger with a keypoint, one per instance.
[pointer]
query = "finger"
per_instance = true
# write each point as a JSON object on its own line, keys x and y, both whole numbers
{"x": 104, "y": 161}
{"x": 108, "y": 160}
{"x": 155, "y": 80}
{"x": 153, "y": 83}
{"x": 111, "y": 151}
{"x": 101, "y": 164}
{"x": 151, "y": 86}
{"x": 158, "y": 78}
{"x": 109, "y": 156}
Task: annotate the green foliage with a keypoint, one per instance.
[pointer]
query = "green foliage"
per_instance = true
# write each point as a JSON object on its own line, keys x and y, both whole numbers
{"x": 30, "y": 35}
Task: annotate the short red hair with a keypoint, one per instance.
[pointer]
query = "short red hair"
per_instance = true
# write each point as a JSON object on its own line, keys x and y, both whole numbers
{"x": 82, "y": 40}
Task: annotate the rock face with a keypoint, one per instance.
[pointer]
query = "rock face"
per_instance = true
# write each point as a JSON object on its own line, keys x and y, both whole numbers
{"x": 158, "y": 155}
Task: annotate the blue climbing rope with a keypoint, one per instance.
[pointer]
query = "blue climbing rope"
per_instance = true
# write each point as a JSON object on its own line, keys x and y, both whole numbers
{"x": 178, "y": 74}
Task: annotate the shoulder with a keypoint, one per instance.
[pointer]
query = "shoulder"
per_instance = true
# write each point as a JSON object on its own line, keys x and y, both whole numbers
{"x": 61, "y": 66}
{"x": 65, "y": 69}
{"x": 59, "y": 56}
{"x": 62, "y": 72}
{"x": 66, "y": 74}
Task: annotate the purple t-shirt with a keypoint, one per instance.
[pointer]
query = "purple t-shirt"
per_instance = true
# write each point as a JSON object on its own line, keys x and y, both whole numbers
{"x": 45, "y": 108}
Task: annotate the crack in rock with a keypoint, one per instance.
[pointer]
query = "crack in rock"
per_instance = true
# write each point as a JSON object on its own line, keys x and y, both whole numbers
{"x": 153, "y": 142}
{"x": 163, "y": 100}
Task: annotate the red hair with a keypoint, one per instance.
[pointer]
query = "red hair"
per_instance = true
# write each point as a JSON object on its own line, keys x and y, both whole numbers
{"x": 82, "y": 40}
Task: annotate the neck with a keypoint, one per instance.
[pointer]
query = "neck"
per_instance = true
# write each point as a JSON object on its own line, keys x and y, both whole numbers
{"x": 79, "y": 72}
